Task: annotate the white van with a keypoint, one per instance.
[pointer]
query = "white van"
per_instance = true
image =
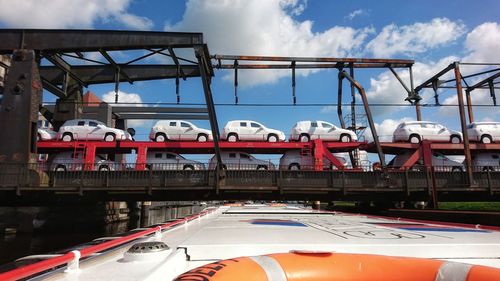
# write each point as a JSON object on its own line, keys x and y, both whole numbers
{"x": 89, "y": 129}
{"x": 74, "y": 161}
{"x": 237, "y": 160}
{"x": 293, "y": 160}
{"x": 247, "y": 130}
{"x": 417, "y": 131}
{"x": 161, "y": 160}
{"x": 178, "y": 130}
{"x": 305, "y": 131}
{"x": 486, "y": 161}
{"x": 485, "y": 132}
{"x": 440, "y": 162}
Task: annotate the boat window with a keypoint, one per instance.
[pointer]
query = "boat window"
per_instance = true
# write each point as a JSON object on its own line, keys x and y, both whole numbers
{"x": 243, "y": 124}
{"x": 170, "y": 156}
{"x": 314, "y": 124}
{"x": 243, "y": 155}
{"x": 172, "y": 124}
{"x": 81, "y": 123}
{"x": 185, "y": 125}
{"x": 92, "y": 124}
{"x": 232, "y": 155}
{"x": 158, "y": 155}
{"x": 254, "y": 125}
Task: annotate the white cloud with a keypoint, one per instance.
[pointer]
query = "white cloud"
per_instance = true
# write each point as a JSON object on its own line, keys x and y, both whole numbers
{"x": 69, "y": 14}
{"x": 355, "y": 13}
{"x": 483, "y": 43}
{"x": 416, "y": 38}
{"x": 385, "y": 129}
{"x": 265, "y": 28}
{"x": 386, "y": 89}
{"x": 126, "y": 99}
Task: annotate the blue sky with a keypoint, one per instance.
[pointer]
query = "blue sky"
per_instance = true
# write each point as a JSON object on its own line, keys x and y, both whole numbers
{"x": 433, "y": 33}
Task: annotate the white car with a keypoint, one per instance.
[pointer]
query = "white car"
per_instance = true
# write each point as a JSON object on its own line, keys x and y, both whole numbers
{"x": 305, "y": 131}
{"x": 294, "y": 160}
{"x": 88, "y": 129}
{"x": 486, "y": 162}
{"x": 160, "y": 160}
{"x": 45, "y": 134}
{"x": 237, "y": 160}
{"x": 246, "y": 130}
{"x": 417, "y": 131}
{"x": 178, "y": 130}
{"x": 74, "y": 161}
{"x": 485, "y": 132}
{"x": 440, "y": 162}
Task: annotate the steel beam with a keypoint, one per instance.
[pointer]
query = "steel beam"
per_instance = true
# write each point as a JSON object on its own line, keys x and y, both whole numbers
{"x": 463, "y": 123}
{"x": 433, "y": 78}
{"x": 204, "y": 69}
{"x": 310, "y": 66}
{"x": 136, "y": 109}
{"x": 313, "y": 59}
{"x": 483, "y": 82}
{"x": 163, "y": 116}
{"x": 73, "y": 40}
{"x": 99, "y": 74}
{"x": 19, "y": 107}
{"x": 368, "y": 112}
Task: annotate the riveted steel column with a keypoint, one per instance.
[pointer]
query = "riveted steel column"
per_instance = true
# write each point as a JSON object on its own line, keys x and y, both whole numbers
{"x": 368, "y": 115}
{"x": 19, "y": 109}
{"x": 205, "y": 78}
{"x": 463, "y": 123}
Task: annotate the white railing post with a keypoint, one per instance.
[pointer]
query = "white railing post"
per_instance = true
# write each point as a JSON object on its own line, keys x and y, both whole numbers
{"x": 74, "y": 264}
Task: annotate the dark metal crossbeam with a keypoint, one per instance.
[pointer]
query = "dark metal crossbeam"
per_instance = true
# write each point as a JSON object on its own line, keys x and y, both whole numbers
{"x": 311, "y": 66}
{"x": 135, "y": 109}
{"x": 163, "y": 116}
{"x": 92, "y": 74}
{"x": 484, "y": 82}
{"x": 313, "y": 59}
{"x": 92, "y": 40}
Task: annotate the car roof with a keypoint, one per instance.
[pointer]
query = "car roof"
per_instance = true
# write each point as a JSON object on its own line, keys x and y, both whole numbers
{"x": 172, "y": 120}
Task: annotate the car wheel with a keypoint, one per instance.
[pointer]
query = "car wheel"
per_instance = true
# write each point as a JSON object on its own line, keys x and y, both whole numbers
{"x": 232, "y": 138}
{"x": 455, "y": 139}
{"x": 294, "y": 167}
{"x": 188, "y": 167}
{"x": 67, "y": 137}
{"x": 109, "y": 137}
{"x": 272, "y": 138}
{"x": 202, "y": 138}
{"x": 304, "y": 138}
{"x": 457, "y": 169}
{"x": 160, "y": 138}
{"x": 486, "y": 139}
{"x": 488, "y": 168}
{"x": 345, "y": 138}
{"x": 414, "y": 139}
{"x": 61, "y": 168}
{"x": 260, "y": 167}
{"x": 104, "y": 169}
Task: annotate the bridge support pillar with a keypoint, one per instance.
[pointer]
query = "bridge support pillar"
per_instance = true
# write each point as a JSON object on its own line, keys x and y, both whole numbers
{"x": 22, "y": 97}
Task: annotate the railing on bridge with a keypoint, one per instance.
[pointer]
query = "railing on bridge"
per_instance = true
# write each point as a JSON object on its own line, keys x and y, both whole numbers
{"x": 123, "y": 179}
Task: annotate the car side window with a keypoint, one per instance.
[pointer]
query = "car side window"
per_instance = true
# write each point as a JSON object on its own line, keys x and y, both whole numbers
{"x": 314, "y": 124}
{"x": 254, "y": 125}
{"x": 326, "y": 125}
{"x": 185, "y": 125}
{"x": 92, "y": 124}
{"x": 170, "y": 156}
{"x": 158, "y": 155}
{"x": 81, "y": 123}
{"x": 243, "y": 155}
{"x": 232, "y": 155}
{"x": 243, "y": 124}
{"x": 172, "y": 124}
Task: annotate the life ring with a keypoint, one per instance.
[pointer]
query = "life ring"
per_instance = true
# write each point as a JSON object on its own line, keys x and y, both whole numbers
{"x": 307, "y": 266}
